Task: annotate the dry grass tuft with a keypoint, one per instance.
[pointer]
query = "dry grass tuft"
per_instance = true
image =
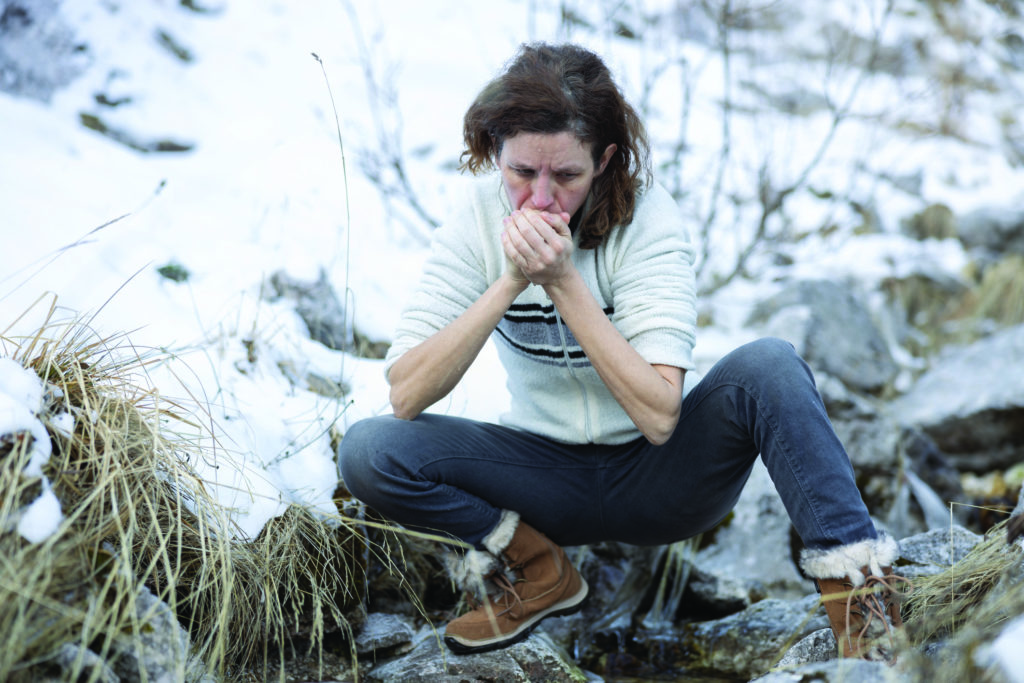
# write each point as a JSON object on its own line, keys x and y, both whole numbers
{"x": 964, "y": 607}
{"x": 137, "y": 515}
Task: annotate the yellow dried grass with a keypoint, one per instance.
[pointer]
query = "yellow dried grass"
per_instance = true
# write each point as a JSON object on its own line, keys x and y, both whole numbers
{"x": 964, "y": 607}
{"x": 136, "y": 514}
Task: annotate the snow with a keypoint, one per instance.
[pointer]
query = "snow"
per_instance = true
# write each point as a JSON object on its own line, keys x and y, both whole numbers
{"x": 1007, "y": 652}
{"x": 21, "y": 398}
{"x": 267, "y": 187}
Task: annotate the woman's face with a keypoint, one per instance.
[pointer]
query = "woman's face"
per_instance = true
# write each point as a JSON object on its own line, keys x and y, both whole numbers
{"x": 549, "y": 172}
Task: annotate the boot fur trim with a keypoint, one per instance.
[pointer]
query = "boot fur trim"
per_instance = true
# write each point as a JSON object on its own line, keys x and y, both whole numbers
{"x": 466, "y": 570}
{"x": 848, "y": 560}
{"x": 501, "y": 535}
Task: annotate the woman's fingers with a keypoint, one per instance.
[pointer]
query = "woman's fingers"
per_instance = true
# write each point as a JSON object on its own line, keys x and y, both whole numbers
{"x": 535, "y": 243}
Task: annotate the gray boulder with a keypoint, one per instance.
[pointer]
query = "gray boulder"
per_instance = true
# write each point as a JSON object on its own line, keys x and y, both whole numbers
{"x": 935, "y": 551}
{"x": 819, "y": 646}
{"x": 382, "y": 633}
{"x": 535, "y": 659}
{"x": 161, "y": 650}
{"x": 752, "y": 641}
{"x": 971, "y": 403}
{"x": 832, "y": 330}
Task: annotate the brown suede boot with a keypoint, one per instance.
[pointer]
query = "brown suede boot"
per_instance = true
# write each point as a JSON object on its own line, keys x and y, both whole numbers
{"x": 863, "y": 604}
{"x": 545, "y": 585}
{"x": 863, "y": 617}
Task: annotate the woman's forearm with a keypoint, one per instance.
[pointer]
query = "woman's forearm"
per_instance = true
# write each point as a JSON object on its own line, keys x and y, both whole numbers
{"x": 650, "y": 395}
{"x": 427, "y": 372}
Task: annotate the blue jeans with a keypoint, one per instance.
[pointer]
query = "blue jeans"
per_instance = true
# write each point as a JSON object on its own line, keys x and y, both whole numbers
{"x": 453, "y": 476}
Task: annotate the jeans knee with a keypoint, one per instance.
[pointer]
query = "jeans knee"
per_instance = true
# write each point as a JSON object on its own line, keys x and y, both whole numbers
{"x": 358, "y": 458}
{"x": 770, "y": 360}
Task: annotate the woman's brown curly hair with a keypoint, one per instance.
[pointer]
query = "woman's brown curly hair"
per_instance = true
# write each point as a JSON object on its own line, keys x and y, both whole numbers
{"x": 557, "y": 88}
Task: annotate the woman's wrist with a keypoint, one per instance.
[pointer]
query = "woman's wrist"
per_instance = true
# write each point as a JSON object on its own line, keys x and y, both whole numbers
{"x": 563, "y": 286}
{"x": 512, "y": 284}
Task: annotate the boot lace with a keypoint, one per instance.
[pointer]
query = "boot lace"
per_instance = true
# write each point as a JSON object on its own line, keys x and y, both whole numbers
{"x": 505, "y": 596}
{"x": 872, "y": 602}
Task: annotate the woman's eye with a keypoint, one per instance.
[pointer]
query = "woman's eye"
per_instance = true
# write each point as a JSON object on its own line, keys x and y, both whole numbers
{"x": 524, "y": 172}
{"x": 568, "y": 176}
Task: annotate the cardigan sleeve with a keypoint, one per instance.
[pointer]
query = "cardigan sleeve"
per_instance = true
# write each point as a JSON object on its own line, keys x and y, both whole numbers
{"x": 654, "y": 291}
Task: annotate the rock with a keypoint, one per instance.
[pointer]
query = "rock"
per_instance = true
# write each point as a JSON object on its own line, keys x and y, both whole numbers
{"x": 837, "y": 670}
{"x": 72, "y": 659}
{"x": 750, "y": 556}
{"x": 994, "y": 229}
{"x": 38, "y": 51}
{"x": 620, "y": 577}
{"x": 534, "y": 659}
{"x": 819, "y": 646}
{"x": 970, "y": 405}
{"x": 318, "y": 306}
{"x": 872, "y": 442}
{"x": 160, "y": 652}
{"x": 384, "y": 632}
{"x": 832, "y": 330}
{"x": 750, "y": 642}
{"x": 939, "y": 548}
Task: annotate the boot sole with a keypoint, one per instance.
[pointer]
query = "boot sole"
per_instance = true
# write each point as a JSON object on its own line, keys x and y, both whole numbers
{"x": 561, "y": 609}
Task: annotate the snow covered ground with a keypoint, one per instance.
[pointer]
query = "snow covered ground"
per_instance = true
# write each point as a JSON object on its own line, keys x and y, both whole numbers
{"x": 267, "y": 187}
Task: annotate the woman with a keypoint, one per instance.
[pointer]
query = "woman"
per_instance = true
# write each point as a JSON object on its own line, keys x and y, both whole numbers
{"x": 580, "y": 268}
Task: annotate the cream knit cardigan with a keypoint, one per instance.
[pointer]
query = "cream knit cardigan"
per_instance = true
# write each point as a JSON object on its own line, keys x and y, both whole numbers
{"x": 642, "y": 276}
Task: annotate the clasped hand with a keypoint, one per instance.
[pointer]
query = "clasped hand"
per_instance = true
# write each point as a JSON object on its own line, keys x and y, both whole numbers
{"x": 538, "y": 245}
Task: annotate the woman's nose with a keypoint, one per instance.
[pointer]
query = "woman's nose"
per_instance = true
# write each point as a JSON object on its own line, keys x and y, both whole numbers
{"x": 542, "y": 196}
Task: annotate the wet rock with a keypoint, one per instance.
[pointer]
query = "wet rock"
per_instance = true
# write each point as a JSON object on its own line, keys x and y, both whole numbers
{"x": 838, "y": 670}
{"x": 832, "y": 330}
{"x": 535, "y": 659}
{"x": 980, "y": 424}
{"x": 620, "y": 577}
{"x": 384, "y": 633}
{"x": 752, "y": 641}
{"x": 710, "y": 596}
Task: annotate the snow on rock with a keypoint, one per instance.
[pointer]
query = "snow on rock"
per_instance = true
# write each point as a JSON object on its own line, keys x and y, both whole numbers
{"x": 21, "y": 397}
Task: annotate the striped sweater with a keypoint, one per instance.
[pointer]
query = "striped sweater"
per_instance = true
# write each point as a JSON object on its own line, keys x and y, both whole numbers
{"x": 642, "y": 276}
